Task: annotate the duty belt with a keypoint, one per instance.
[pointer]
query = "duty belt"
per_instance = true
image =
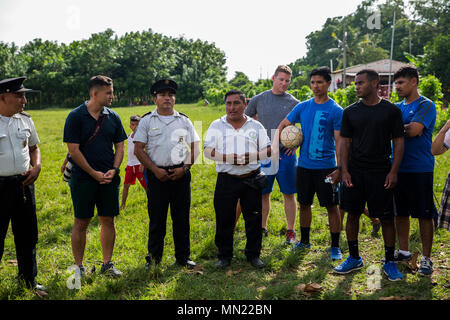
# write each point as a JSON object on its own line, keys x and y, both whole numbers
{"x": 17, "y": 177}
{"x": 246, "y": 175}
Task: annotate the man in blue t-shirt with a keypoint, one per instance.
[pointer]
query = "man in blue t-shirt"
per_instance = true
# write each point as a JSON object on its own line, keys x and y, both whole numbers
{"x": 320, "y": 119}
{"x": 414, "y": 191}
{"x": 95, "y": 139}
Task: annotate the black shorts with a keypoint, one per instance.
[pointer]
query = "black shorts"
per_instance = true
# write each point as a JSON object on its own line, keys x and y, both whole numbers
{"x": 368, "y": 187}
{"x": 413, "y": 195}
{"x": 311, "y": 181}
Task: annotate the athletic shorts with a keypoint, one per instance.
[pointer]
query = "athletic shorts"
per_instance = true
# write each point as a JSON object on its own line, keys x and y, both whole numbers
{"x": 132, "y": 173}
{"x": 413, "y": 195}
{"x": 312, "y": 181}
{"x": 88, "y": 194}
{"x": 368, "y": 187}
{"x": 285, "y": 175}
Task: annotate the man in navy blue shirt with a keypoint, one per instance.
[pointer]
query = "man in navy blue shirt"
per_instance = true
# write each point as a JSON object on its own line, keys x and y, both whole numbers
{"x": 414, "y": 191}
{"x": 91, "y": 131}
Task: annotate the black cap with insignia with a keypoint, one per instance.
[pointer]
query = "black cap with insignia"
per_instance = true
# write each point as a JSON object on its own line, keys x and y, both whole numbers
{"x": 13, "y": 85}
{"x": 162, "y": 85}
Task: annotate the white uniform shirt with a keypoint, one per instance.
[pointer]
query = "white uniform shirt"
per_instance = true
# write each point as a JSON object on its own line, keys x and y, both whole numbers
{"x": 447, "y": 139}
{"x": 132, "y": 160}
{"x": 167, "y": 143}
{"x": 225, "y": 139}
{"x": 17, "y": 134}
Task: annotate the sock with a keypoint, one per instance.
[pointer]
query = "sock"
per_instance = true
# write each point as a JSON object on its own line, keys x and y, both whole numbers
{"x": 304, "y": 232}
{"x": 405, "y": 253}
{"x": 353, "y": 249}
{"x": 335, "y": 239}
{"x": 389, "y": 253}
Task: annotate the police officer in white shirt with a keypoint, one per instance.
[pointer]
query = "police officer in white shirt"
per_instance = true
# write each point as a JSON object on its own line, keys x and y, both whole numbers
{"x": 237, "y": 142}
{"x": 20, "y": 165}
{"x": 172, "y": 145}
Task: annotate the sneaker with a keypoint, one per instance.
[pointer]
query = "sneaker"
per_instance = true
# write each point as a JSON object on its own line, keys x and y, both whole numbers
{"x": 82, "y": 270}
{"x": 109, "y": 270}
{"x": 301, "y": 246}
{"x": 426, "y": 267}
{"x": 335, "y": 253}
{"x": 290, "y": 237}
{"x": 400, "y": 257}
{"x": 375, "y": 229}
{"x": 349, "y": 265}
{"x": 390, "y": 269}
{"x": 265, "y": 232}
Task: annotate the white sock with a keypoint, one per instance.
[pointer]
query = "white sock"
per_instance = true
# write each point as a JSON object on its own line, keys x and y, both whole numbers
{"x": 405, "y": 253}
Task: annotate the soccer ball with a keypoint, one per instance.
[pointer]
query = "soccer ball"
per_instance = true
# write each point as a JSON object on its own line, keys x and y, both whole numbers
{"x": 291, "y": 137}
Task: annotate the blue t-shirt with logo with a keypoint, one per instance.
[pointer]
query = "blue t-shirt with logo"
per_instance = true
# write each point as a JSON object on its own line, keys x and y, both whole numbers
{"x": 318, "y": 122}
{"x": 417, "y": 156}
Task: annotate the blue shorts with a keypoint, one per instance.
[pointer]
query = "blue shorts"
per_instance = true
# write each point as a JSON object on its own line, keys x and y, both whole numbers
{"x": 285, "y": 176}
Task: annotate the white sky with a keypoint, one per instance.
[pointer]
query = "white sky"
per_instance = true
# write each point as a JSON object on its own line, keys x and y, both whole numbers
{"x": 256, "y": 36}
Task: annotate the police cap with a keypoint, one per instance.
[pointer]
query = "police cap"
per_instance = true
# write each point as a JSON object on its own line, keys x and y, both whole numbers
{"x": 162, "y": 85}
{"x": 13, "y": 85}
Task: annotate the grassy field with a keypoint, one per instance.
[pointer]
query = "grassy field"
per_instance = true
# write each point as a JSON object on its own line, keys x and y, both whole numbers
{"x": 281, "y": 279}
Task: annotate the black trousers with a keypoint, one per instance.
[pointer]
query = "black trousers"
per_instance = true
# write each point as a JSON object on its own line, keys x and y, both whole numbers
{"x": 18, "y": 205}
{"x": 228, "y": 190}
{"x": 161, "y": 195}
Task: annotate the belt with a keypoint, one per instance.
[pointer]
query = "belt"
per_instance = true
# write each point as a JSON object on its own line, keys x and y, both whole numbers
{"x": 172, "y": 167}
{"x": 246, "y": 175}
{"x": 17, "y": 177}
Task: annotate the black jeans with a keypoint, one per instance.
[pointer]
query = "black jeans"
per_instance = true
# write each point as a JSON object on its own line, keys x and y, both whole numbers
{"x": 228, "y": 190}
{"x": 18, "y": 205}
{"x": 160, "y": 195}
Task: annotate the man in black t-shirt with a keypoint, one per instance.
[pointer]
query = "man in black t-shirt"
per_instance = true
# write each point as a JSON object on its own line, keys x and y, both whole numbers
{"x": 368, "y": 127}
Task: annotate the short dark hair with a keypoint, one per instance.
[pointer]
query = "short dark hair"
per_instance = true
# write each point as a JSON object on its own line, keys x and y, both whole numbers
{"x": 99, "y": 81}
{"x": 325, "y": 72}
{"x": 372, "y": 75}
{"x": 235, "y": 91}
{"x": 135, "y": 118}
{"x": 407, "y": 72}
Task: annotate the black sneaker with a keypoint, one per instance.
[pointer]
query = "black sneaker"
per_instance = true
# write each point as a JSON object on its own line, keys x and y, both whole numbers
{"x": 110, "y": 271}
{"x": 400, "y": 257}
{"x": 265, "y": 232}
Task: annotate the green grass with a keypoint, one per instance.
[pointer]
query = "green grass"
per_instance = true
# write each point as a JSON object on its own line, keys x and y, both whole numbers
{"x": 285, "y": 270}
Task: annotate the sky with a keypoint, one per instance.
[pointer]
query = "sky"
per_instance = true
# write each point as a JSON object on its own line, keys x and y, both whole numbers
{"x": 256, "y": 36}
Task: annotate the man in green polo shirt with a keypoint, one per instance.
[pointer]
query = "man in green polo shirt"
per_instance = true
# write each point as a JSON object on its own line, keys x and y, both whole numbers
{"x": 91, "y": 131}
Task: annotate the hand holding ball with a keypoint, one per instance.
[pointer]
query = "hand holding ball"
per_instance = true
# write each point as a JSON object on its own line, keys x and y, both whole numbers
{"x": 291, "y": 137}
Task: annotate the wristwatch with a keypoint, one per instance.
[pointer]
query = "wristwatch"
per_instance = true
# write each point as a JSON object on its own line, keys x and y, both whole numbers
{"x": 117, "y": 170}
{"x": 186, "y": 169}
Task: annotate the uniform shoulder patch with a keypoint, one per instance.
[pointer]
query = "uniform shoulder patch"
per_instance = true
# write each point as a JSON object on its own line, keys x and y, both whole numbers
{"x": 25, "y": 114}
{"x": 146, "y": 114}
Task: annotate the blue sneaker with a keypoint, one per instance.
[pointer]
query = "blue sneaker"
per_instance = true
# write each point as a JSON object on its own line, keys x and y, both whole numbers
{"x": 390, "y": 269}
{"x": 301, "y": 246}
{"x": 335, "y": 253}
{"x": 349, "y": 265}
{"x": 426, "y": 267}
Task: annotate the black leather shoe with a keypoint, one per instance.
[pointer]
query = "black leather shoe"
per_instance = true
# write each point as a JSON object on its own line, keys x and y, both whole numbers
{"x": 188, "y": 263}
{"x": 223, "y": 263}
{"x": 257, "y": 263}
{"x": 151, "y": 260}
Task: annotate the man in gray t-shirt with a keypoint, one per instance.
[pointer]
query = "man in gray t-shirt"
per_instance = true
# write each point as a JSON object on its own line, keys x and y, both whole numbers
{"x": 270, "y": 108}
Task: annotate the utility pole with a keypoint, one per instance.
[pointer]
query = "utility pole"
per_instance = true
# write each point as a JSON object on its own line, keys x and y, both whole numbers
{"x": 345, "y": 57}
{"x": 392, "y": 51}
